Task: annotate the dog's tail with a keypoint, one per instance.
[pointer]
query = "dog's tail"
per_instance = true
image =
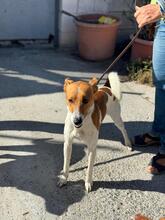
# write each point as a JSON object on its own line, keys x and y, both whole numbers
{"x": 115, "y": 84}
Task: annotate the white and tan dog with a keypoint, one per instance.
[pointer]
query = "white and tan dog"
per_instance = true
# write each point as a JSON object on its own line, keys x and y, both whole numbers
{"x": 87, "y": 106}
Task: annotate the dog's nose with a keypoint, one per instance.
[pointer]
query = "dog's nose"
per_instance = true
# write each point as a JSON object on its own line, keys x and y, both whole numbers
{"x": 77, "y": 121}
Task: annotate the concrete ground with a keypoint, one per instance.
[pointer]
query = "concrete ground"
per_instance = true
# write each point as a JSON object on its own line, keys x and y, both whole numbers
{"x": 32, "y": 114}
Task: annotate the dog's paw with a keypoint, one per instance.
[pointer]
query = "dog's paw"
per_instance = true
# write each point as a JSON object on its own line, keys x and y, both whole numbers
{"x": 62, "y": 180}
{"x": 88, "y": 186}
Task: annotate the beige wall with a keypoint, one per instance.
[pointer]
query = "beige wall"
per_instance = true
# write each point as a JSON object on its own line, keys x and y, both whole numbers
{"x": 114, "y": 7}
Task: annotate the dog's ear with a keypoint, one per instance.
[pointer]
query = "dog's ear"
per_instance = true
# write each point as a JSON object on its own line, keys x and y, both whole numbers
{"x": 66, "y": 83}
{"x": 93, "y": 83}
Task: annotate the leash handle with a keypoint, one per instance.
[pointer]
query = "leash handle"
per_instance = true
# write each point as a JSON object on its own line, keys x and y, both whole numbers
{"x": 120, "y": 55}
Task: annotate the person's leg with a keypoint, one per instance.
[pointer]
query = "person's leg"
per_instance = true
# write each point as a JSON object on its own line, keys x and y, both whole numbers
{"x": 157, "y": 163}
{"x": 159, "y": 81}
{"x": 162, "y": 146}
{"x": 152, "y": 138}
{"x": 158, "y": 126}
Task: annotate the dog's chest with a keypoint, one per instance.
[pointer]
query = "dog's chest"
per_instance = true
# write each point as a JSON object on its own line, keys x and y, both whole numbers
{"x": 79, "y": 133}
{"x": 86, "y": 133}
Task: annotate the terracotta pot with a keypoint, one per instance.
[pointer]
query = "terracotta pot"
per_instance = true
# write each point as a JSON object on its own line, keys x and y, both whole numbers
{"x": 96, "y": 41}
{"x": 141, "y": 49}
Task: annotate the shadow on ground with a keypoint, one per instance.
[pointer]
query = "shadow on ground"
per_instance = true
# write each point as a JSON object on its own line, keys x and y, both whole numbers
{"x": 31, "y": 72}
{"x": 37, "y": 172}
{"x": 156, "y": 185}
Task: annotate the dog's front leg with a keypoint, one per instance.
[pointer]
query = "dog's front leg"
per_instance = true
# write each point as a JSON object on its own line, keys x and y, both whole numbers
{"x": 67, "y": 155}
{"x": 68, "y": 139}
{"x": 91, "y": 159}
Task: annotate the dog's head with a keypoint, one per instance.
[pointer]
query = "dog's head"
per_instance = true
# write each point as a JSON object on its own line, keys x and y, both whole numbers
{"x": 80, "y": 99}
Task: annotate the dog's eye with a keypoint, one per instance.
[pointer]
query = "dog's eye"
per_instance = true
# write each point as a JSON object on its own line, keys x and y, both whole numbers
{"x": 85, "y": 100}
{"x": 70, "y": 100}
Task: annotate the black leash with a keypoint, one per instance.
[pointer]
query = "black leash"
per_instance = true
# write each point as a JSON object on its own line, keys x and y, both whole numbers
{"x": 120, "y": 55}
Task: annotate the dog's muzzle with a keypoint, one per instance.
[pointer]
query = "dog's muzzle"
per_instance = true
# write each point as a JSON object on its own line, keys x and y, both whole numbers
{"x": 78, "y": 122}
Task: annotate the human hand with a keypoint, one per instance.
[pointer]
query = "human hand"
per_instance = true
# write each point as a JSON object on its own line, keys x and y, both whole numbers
{"x": 147, "y": 14}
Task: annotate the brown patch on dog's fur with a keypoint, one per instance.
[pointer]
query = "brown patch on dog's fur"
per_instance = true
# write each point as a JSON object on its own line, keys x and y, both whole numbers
{"x": 101, "y": 98}
{"x": 93, "y": 83}
{"x": 96, "y": 117}
{"x": 107, "y": 83}
{"x": 76, "y": 92}
{"x": 66, "y": 83}
{"x": 107, "y": 90}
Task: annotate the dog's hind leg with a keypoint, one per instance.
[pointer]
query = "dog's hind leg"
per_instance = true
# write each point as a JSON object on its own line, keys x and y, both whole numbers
{"x": 115, "y": 114}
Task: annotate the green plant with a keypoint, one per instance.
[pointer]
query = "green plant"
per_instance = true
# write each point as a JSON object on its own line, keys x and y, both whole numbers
{"x": 140, "y": 71}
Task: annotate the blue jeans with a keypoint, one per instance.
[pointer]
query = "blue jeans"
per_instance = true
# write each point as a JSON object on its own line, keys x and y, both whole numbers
{"x": 159, "y": 81}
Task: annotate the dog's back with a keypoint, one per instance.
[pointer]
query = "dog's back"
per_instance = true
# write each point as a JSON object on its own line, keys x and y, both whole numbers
{"x": 107, "y": 96}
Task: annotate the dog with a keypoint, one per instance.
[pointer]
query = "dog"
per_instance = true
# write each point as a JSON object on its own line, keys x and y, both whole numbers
{"x": 87, "y": 106}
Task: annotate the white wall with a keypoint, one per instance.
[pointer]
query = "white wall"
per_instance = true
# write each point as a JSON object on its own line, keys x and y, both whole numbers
{"x": 26, "y": 19}
{"x": 114, "y": 7}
